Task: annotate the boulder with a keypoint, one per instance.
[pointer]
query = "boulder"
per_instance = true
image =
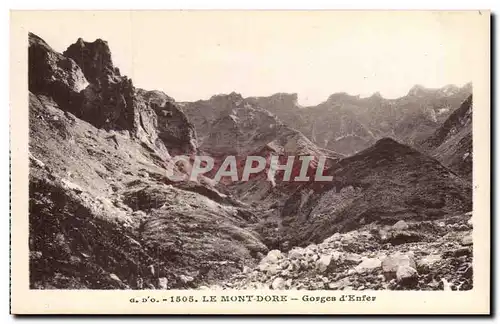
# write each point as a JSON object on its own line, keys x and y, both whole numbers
{"x": 163, "y": 283}
{"x": 467, "y": 240}
{"x": 400, "y": 225}
{"x": 460, "y": 252}
{"x": 278, "y": 283}
{"x": 323, "y": 263}
{"x": 353, "y": 258}
{"x": 272, "y": 257}
{"x": 428, "y": 261}
{"x": 185, "y": 279}
{"x": 368, "y": 265}
{"x": 391, "y": 264}
{"x": 296, "y": 253}
{"x": 406, "y": 275}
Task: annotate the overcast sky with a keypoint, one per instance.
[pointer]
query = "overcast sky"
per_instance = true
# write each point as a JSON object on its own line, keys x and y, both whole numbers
{"x": 194, "y": 55}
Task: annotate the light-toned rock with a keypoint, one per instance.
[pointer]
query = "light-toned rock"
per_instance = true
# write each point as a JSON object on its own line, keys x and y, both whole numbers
{"x": 467, "y": 240}
{"x": 278, "y": 283}
{"x": 296, "y": 253}
{"x": 313, "y": 257}
{"x": 446, "y": 284}
{"x": 185, "y": 279}
{"x": 323, "y": 262}
{"x": 272, "y": 257}
{"x": 368, "y": 264}
{"x": 163, "y": 283}
{"x": 115, "y": 277}
{"x": 71, "y": 186}
{"x": 429, "y": 260}
{"x": 347, "y": 238}
{"x": 36, "y": 161}
{"x": 400, "y": 225}
{"x": 354, "y": 258}
{"x": 391, "y": 264}
{"x": 405, "y": 273}
{"x": 335, "y": 237}
{"x": 312, "y": 247}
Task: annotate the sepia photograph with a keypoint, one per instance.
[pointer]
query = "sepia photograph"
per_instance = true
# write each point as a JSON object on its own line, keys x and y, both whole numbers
{"x": 220, "y": 151}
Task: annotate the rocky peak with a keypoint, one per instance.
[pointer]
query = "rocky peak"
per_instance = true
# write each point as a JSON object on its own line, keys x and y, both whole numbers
{"x": 285, "y": 97}
{"x": 85, "y": 82}
{"x": 341, "y": 96}
{"x": 416, "y": 90}
{"x": 94, "y": 58}
{"x": 467, "y": 87}
{"x": 53, "y": 74}
{"x": 385, "y": 148}
{"x": 449, "y": 89}
{"x": 231, "y": 96}
{"x": 227, "y": 101}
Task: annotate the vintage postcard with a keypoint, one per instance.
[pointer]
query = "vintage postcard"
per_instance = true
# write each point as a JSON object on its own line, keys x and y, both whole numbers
{"x": 250, "y": 162}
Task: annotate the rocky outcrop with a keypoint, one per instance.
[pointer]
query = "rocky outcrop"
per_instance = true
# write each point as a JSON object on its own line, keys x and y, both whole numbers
{"x": 162, "y": 122}
{"x": 94, "y": 59}
{"x": 54, "y": 74}
{"x": 84, "y": 82}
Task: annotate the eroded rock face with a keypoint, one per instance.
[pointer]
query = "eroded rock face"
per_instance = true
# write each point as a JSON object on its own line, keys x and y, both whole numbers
{"x": 85, "y": 82}
{"x": 109, "y": 101}
{"x": 54, "y": 74}
{"x": 94, "y": 58}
